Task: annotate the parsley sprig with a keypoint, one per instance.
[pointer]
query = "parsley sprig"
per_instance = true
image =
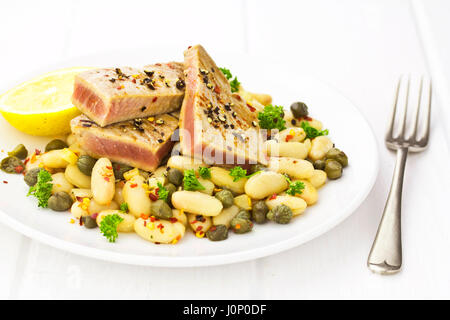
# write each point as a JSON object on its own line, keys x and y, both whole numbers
{"x": 272, "y": 118}
{"x": 190, "y": 181}
{"x": 108, "y": 226}
{"x": 234, "y": 83}
{"x": 124, "y": 207}
{"x": 163, "y": 193}
{"x": 295, "y": 187}
{"x": 42, "y": 190}
{"x": 312, "y": 132}
{"x": 204, "y": 172}
{"x": 238, "y": 173}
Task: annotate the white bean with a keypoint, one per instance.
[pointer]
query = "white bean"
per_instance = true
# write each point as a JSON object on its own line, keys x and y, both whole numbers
{"x": 95, "y": 207}
{"x": 264, "y": 184}
{"x": 319, "y": 147}
{"x": 103, "y": 181}
{"x": 80, "y": 193}
{"x": 160, "y": 172}
{"x": 185, "y": 163}
{"x": 226, "y": 216}
{"x": 296, "y": 150}
{"x": 71, "y": 139}
{"x": 126, "y": 225}
{"x": 309, "y": 193}
{"x": 54, "y": 159}
{"x": 221, "y": 177}
{"x": 79, "y": 209}
{"x": 171, "y": 232}
{"x": 209, "y": 186}
{"x": 291, "y": 135}
{"x": 197, "y": 203}
{"x": 76, "y": 148}
{"x": 296, "y": 168}
{"x": 297, "y": 205}
{"x": 118, "y": 194}
{"x": 198, "y": 224}
{"x": 136, "y": 196}
{"x": 60, "y": 183}
{"x": 76, "y": 177}
{"x": 180, "y": 216}
{"x": 243, "y": 201}
{"x": 318, "y": 178}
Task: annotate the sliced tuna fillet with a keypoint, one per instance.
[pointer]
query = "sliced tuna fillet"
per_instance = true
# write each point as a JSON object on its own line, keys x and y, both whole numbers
{"x": 117, "y": 94}
{"x": 216, "y": 125}
{"x": 141, "y": 143}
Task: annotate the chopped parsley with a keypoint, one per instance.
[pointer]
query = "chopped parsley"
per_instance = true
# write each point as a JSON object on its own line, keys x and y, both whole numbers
{"x": 294, "y": 187}
{"x": 272, "y": 118}
{"x": 190, "y": 181}
{"x": 124, "y": 207}
{"x": 234, "y": 83}
{"x": 42, "y": 190}
{"x": 163, "y": 193}
{"x": 108, "y": 226}
{"x": 312, "y": 132}
{"x": 204, "y": 172}
{"x": 238, "y": 173}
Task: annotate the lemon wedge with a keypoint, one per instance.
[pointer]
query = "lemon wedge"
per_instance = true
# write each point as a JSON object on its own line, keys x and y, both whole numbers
{"x": 42, "y": 106}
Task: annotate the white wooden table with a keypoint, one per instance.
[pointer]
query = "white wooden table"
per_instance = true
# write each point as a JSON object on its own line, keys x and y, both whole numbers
{"x": 359, "y": 47}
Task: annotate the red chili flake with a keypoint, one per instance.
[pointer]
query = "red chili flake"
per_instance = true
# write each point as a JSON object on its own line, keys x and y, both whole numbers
{"x": 109, "y": 167}
{"x": 238, "y": 97}
{"x": 189, "y": 47}
{"x": 157, "y": 242}
{"x": 145, "y": 223}
{"x": 153, "y": 197}
{"x": 173, "y": 220}
{"x": 251, "y": 108}
{"x": 133, "y": 185}
{"x": 195, "y": 221}
{"x": 213, "y": 228}
{"x": 154, "y": 99}
{"x": 153, "y": 219}
{"x": 178, "y": 237}
{"x": 119, "y": 88}
{"x": 289, "y": 137}
{"x": 305, "y": 118}
{"x": 199, "y": 228}
{"x": 134, "y": 80}
{"x": 26, "y": 160}
{"x": 160, "y": 226}
{"x": 18, "y": 169}
{"x": 94, "y": 216}
{"x": 5, "y": 182}
{"x": 37, "y": 151}
{"x": 81, "y": 222}
{"x": 158, "y": 64}
{"x": 106, "y": 178}
{"x": 144, "y": 216}
{"x": 80, "y": 199}
{"x": 295, "y": 161}
{"x": 274, "y": 196}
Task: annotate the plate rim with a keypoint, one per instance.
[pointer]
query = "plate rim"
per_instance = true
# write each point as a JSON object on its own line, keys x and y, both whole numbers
{"x": 209, "y": 260}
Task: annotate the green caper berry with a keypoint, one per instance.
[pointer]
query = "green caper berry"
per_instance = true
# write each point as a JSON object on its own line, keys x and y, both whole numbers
{"x": 85, "y": 163}
{"x": 217, "y": 233}
{"x": 319, "y": 164}
{"x": 240, "y": 225}
{"x": 259, "y": 212}
{"x": 299, "y": 109}
{"x": 89, "y": 222}
{"x": 119, "y": 169}
{"x": 226, "y": 197}
{"x": 11, "y": 164}
{"x": 20, "y": 152}
{"x": 161, "y": 209}
{"x": 55, "y": 144}
{"x": 338, "y": 155}
{"x": 281, "y": 214}
{"x": 31, "y": 175}
{"x": 60, "y": 201}
{"x": 171, "y": 188}
{"x": 175, "y": 176}
{"x": 333, "y": 169}
{"x": 244, "y": 214}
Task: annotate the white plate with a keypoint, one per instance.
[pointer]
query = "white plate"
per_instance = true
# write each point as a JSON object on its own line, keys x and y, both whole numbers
{"x": 337, "y": 199}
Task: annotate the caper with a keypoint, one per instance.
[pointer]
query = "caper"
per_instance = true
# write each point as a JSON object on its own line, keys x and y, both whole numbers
{"x": 171, "y": 188}
{"x": 85, "y": 163}
{"x": 299, "y": 109}
{"x": 280, "y": 214}
{"x": 60, "y": 201}
{"x": 31, "y": 176}
{"x": 89, "y": 222}
{"x": 20, "y": 152}
{"x": 259, "y": 212}
{"x": 319, "y": 164}
{"x": 12, "y": 165}
{"x": 119, "y": 169}
{"x": 240, "y": 225}
{"x": 226, "y": 197}
{"x": 175, "y": 176}
{"x": 257, "y": 167}
{"x": 333, "y": 169}
{"x": 244, "y": 214}
{"x": 55, "y": 144}
{"x": 161, "y": 209}
{"x": 217, "y": 233}
{"x": 338, "y": 155}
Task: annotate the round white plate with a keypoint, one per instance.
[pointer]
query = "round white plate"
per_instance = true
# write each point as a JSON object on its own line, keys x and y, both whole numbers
{"x": 337, "y": 199}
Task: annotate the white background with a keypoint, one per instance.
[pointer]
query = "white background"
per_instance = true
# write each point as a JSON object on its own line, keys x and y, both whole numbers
{"x": 360, "y": 47}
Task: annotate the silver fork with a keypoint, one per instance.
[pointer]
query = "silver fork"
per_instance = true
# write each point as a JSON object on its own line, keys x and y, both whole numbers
{"x": 386, "y": 254}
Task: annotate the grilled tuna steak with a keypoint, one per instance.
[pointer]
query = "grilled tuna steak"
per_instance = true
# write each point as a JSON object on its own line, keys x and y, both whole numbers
{"x": 141, "y": 143}
{"x": 216, "y": 125}
{"x": 112, "y": 95}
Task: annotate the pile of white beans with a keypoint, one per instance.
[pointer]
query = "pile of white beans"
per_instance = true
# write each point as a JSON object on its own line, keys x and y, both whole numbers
{"x": 101, "y": 195}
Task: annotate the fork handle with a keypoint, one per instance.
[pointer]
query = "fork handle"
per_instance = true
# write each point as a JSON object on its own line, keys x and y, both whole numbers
{"x": 386, "y": 254}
